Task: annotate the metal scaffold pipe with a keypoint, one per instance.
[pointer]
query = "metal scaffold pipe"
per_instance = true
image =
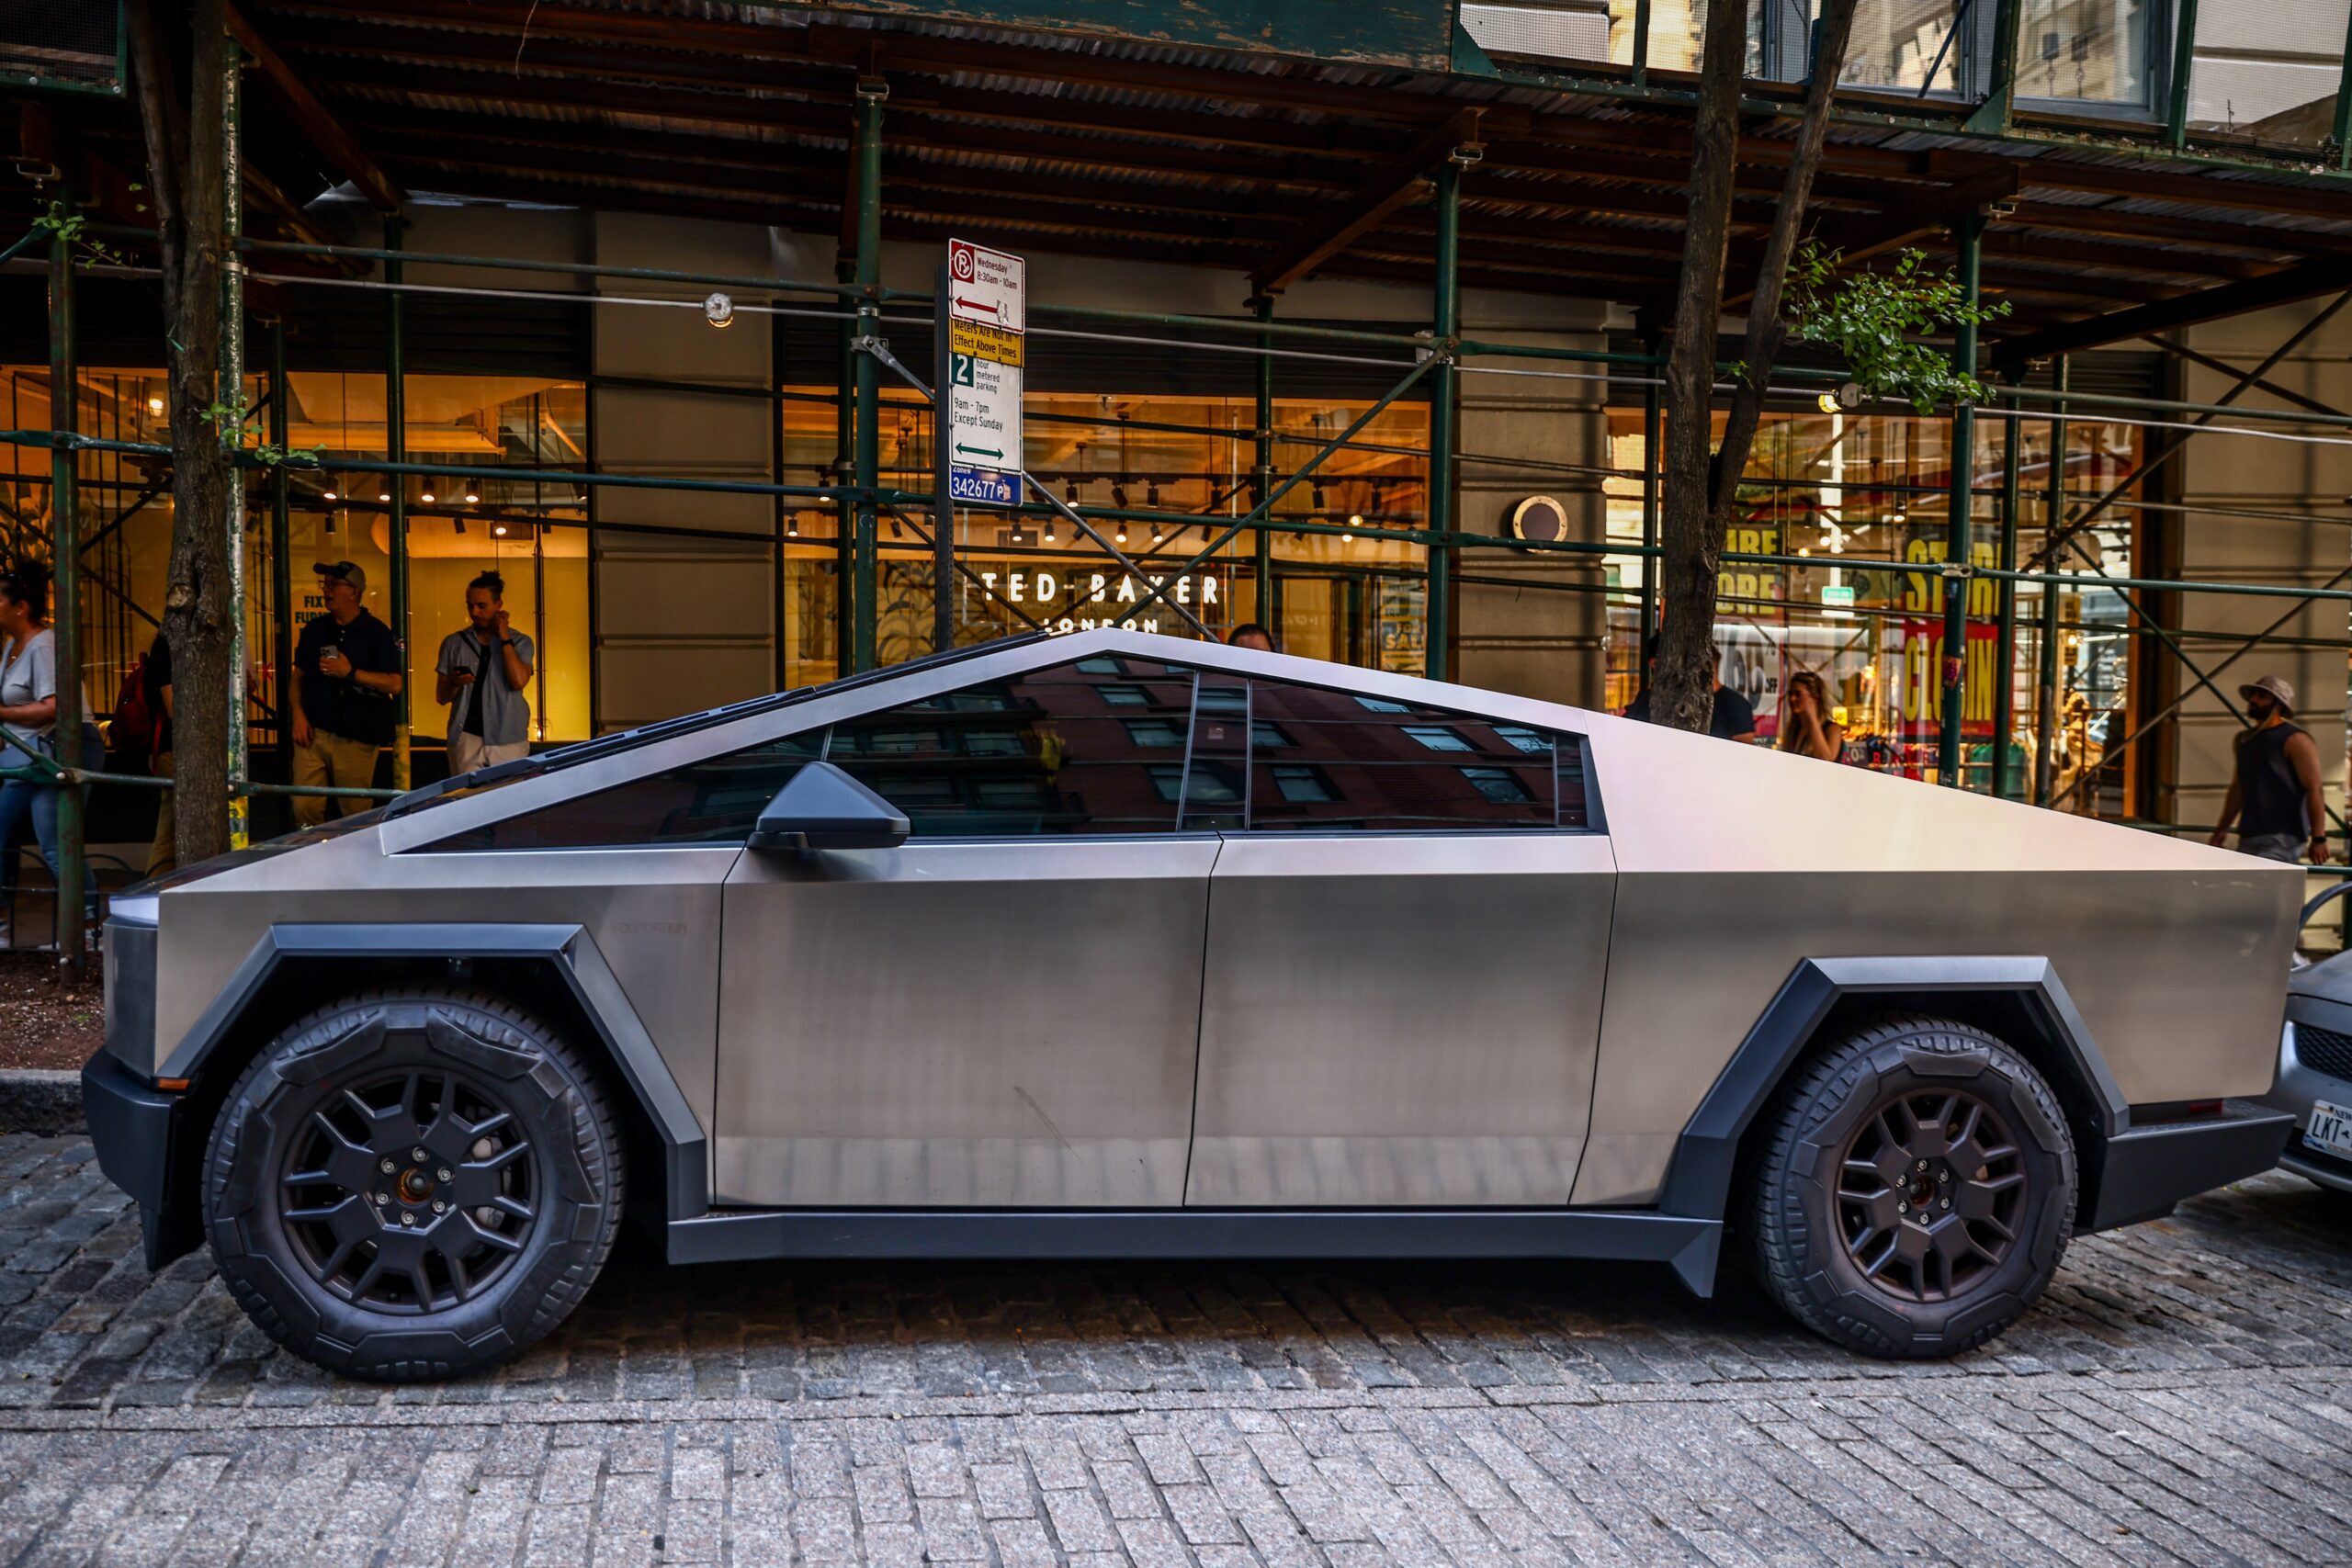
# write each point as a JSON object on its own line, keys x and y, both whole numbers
{"x": 1951, "y": 748}
{"x": 1261, "y": 479}
{"x": 865, "y": 583}
{"x": 281, "y": 554}
{"x": 396, "y": 447}
{"x": 1445, "y": 415}
{"x": 64, "y": 395}
{"x": 2005, "y": 692}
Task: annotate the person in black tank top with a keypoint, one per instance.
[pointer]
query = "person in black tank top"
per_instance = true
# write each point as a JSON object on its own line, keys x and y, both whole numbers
{"x": 2276, "y": 799}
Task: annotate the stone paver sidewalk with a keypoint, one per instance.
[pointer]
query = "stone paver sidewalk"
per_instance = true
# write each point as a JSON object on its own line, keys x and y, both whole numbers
{"x": 2184, "y": 1394}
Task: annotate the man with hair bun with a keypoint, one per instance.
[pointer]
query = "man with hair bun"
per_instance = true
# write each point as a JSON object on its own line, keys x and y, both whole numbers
{"x": 479, "y": 678}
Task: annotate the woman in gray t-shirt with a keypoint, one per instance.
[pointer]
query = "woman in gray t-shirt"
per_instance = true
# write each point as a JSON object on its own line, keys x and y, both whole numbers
{"x": 28, "y": 713}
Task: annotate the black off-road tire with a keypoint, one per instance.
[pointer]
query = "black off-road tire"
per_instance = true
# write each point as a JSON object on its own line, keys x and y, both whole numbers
{"x": 1818, "y": 1232}
{"x": 523, "y": 1158}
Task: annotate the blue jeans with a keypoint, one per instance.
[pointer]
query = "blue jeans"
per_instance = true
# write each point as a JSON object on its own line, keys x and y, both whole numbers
{"x": 18, "y": 796}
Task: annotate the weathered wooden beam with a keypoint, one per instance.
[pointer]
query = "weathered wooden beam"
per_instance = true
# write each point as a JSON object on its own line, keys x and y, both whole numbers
{"x": 1364, "y": 210}
{"x": 391, "y": 75}
{"x": 2205, "y": 234}
{"x": 2309, "y": 280}
{"x": 313, "y": 119}
{"x": 2020, "y": 245}
{"x": 827, "y": 42}
{"x": 808, "y": 172}
{"x": 2050, "y": 173}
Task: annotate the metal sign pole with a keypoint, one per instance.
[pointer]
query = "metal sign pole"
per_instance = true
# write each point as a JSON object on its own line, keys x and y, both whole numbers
{"x": 943, "y": 498}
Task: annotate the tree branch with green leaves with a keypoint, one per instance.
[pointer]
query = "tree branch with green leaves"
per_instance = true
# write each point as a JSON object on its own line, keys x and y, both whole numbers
{"x": 1879, "y": 324}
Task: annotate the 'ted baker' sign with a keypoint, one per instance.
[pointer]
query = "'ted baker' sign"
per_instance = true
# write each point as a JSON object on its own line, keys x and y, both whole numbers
{"x": 1084, "y": 592}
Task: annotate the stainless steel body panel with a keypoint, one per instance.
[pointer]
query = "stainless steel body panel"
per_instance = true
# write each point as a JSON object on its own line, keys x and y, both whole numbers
{"x": 1401, "y": 1020}
{"x": 653, "y": 914}
{"x": 978, "y": 1022}
{"x": 1736, "y": 863}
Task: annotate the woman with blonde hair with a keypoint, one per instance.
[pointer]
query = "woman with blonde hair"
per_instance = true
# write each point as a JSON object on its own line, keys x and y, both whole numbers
{"x": 1805, "y": 722}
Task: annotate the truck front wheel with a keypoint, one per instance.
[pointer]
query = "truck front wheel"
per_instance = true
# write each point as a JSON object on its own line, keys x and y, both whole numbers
{"x": 413, "y": 1183}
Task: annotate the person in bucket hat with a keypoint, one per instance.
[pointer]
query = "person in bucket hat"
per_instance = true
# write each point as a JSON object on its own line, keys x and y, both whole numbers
{"x": 2277, "y": 797}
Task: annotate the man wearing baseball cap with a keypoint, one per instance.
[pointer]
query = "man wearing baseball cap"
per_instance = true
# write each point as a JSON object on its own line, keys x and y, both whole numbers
{"x": 2277, "y": 784}
{"x": 346, "y": 677}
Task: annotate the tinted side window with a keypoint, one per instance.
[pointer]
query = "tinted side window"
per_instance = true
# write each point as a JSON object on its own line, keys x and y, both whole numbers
{"x": 713, "y": 802}
{"x": 1095, "y": 747}
{"x": 1363, "y": 762}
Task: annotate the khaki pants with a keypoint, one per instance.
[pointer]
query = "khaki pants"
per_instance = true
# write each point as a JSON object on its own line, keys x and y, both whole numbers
{"x": 163, "y": 854}
{"x": 466, "y": 752}
{"x": 335, "y": 762}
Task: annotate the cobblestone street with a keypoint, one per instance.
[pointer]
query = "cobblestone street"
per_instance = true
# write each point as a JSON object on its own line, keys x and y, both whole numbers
{"x": 2181, "y": 1395}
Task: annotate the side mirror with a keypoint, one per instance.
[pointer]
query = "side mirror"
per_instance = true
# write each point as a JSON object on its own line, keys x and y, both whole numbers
{"x": 825, "y": 809}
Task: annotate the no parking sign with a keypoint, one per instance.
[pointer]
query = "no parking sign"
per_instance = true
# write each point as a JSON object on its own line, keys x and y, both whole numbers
{"x": 987, "y": 315}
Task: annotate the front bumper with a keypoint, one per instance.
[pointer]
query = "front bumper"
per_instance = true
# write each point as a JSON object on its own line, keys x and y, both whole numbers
{"x": 2143, "y": 1172}
{"x": 137, "y": 1130}
{"x": 2301, "y": 1083}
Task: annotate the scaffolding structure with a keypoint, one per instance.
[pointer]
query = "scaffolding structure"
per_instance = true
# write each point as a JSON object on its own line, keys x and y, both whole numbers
{"x": 1437, "y": 361}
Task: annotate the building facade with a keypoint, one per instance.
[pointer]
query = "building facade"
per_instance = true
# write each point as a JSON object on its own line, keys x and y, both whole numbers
{"x": 687, "y": 511}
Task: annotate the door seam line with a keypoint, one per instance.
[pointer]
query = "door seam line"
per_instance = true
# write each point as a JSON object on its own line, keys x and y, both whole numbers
{"x": 1199, "y": 1023}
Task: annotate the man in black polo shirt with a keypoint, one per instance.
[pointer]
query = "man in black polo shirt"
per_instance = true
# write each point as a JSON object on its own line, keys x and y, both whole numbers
{"x": 1734, "y": 720}
{"x": 346, "y": 677}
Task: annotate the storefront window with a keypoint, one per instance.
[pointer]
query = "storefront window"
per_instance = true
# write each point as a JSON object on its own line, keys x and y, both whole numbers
{"x": 1862, "y": 505}
{"x": 530, "y": 531}
{"x": 1344, "y": 586}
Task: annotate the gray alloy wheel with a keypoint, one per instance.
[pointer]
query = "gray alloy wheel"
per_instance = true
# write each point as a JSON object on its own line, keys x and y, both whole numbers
{"x": 412, "y": 1184}
{"x": 1914, "y": 1190}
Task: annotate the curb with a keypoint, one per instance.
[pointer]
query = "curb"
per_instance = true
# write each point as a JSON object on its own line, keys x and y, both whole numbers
{"x": 38, "y": 1100}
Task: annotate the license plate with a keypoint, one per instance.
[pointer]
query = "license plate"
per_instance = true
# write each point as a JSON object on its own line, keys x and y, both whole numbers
{"x": 2329, "y": 1128}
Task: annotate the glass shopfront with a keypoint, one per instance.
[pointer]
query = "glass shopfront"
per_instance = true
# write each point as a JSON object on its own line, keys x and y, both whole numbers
{"x": 1860, "y": 502}
{"x": 1342, "y": 587}
{"x": 528, "y": 532}
{"x": 1864, "y": 503}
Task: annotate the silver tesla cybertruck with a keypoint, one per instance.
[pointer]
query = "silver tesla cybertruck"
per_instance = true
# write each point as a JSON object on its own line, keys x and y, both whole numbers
{"x": 1115, "y": 944}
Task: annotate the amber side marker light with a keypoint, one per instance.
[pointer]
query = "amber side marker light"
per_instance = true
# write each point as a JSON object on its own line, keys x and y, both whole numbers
{"x": 174, "y": 1085}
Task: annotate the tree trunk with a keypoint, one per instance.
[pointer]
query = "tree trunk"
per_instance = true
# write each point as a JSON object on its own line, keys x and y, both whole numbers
{"x": 186, "y": 152}
{"x": 1701, "y": 486}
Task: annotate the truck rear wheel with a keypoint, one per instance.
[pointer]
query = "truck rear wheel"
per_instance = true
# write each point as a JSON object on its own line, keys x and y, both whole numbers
{"x": 413, "y": 1183}
{"x": 1914, "y": 1190}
